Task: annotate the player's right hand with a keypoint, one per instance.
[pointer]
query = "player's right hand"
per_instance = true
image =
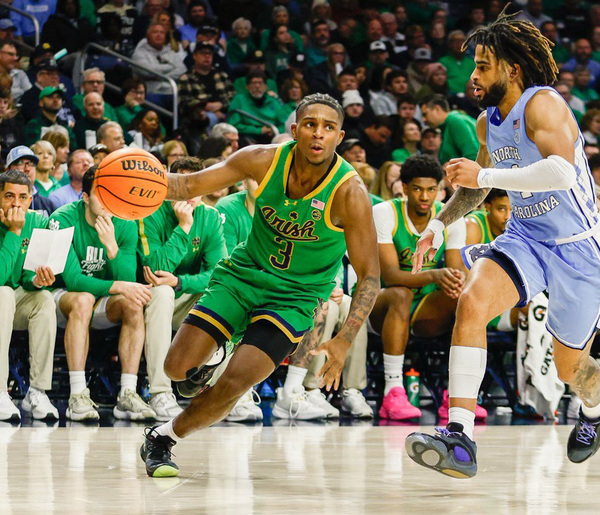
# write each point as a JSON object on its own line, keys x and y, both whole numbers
{"x": 185, "y": 214}
{"x": 14, "y": 219}
{"x": 138, "y": 293}
{"x": 450, "y": 280}
{"x": 424, "y": 251}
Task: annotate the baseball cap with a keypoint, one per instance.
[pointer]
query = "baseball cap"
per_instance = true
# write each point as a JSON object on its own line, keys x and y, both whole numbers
{"x": 428, "y": 130}
{"x": 98, "y": 147}
{"x": 40, "y": 50}
{"x": 47, "y": 64}
{"x": 347, "y": 144}
{"x": 50, "y": 90}
{"x": 18, "y": 153}
{"x": 350, "y": 97}
{"x": 7, "y": 24}
{"x": 377, "y": 46}
{"x": 208, "y": 29}
{"x": 204, "y": 45}
{"x": 255, "y": 57}
{"x": 422, "y": 54}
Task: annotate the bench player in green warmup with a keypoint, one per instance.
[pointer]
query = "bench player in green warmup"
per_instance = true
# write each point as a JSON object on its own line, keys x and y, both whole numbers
{"x": 310, "y": 207}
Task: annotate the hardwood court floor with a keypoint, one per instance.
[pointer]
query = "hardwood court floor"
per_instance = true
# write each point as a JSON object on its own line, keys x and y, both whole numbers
{"x": 312, "y": 469}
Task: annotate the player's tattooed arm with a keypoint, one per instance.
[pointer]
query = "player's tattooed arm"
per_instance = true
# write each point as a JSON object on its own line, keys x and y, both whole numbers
{"x": 461, "y": 203}
{"x": 362, "y": 304}
{"x": 178, "y": 186}
{"x": 302, "y": 357}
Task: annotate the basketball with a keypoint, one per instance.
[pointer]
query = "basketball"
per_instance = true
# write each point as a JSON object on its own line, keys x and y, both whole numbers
{"x": 131, "y": 183}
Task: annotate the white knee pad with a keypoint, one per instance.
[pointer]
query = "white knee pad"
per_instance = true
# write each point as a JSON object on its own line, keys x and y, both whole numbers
{"x": 467, "y": 368}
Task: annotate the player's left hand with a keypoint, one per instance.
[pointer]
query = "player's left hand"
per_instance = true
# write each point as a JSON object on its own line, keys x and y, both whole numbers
{"x": 44, "y": 276}
{"x": 106, "y": 232}
{"x": 159, "y": 277}
{"x": 335, "y": 350}
{"x": 463, "y": 172}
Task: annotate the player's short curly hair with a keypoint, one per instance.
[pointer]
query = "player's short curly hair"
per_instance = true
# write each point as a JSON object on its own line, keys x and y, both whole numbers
{"x": 320, "y": 98}
{"x": 421, "y": 165}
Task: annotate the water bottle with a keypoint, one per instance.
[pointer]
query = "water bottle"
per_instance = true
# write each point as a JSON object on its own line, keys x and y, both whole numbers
{"x": 412, "y": 380}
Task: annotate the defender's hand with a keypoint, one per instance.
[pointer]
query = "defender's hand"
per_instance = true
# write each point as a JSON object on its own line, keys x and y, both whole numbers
{"x": 463, "y": 172}
{"x": 424, "y": 251}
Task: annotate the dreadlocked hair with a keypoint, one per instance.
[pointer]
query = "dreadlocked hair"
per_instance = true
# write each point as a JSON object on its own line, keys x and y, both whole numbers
{"x": 518, "y": 42}
{"x": 320, "y": 98}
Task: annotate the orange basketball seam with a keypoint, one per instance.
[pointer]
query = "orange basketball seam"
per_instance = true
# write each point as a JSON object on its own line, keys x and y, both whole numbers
{"x": 99, "y": 186}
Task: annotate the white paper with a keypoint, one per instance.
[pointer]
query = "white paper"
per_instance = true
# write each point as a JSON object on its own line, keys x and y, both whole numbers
{"x": 49, "y": 248}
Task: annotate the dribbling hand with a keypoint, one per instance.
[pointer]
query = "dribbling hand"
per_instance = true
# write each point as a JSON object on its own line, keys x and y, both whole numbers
{"x": 463, "y": 172}
{"x": 335, "y": 350}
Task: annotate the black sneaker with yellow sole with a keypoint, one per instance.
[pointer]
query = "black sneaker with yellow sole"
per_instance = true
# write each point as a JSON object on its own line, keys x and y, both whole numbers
{"x": 156, "y": 454}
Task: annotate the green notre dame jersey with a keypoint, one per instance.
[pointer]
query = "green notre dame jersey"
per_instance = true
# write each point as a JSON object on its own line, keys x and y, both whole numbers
{"x": 405, "y": 242}
{"x": 163, "y": 245}
{"x": 237, "y": 222}
{"x": 294, "y": 239}
{"x": 90, "y": 251}
{"x": 481, "y": 218}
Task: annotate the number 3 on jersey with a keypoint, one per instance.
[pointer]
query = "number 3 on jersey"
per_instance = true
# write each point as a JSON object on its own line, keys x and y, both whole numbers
{"x": 282, "y": 260}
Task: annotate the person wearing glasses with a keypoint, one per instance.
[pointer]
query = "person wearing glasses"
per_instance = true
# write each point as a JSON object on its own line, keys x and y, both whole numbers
{"x": 9, "y": 64}
{"x": 93, "y": 82}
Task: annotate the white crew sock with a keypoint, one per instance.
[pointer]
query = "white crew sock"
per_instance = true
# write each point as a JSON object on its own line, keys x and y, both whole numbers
{"x": 392, "y": 369}
{"x": 464, "y": 417}
{"x": 295, "y": 377}
{"x": 167, "y": 430}
{"x": 77, "y": 381}
{"x": 592, "y": 413}
{"x": 128, "y": 382}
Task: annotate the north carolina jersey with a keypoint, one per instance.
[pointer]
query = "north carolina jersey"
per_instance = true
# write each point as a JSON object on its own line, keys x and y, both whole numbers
{"x": 544, "y": 216}
{"x": 294, "y": 239}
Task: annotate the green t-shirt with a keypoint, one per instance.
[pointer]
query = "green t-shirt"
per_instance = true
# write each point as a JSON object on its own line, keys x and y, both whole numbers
{"x": 459, "y": 72}
{"x": 375, "y": 199}
{"x": 237, "y": 222}
{"x": 13, "y": 250}
{"x": 287, "y": 233}
{"x": 400, "y": 155}
{"x": 163, "y": 245}
{"x": 89, "y": 250}
{"x": 585, "y": 94}
{"x": 459, "y": 137}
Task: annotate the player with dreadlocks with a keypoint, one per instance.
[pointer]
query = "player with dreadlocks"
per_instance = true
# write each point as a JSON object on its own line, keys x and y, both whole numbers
{"x": 530, "y": 145}
{"x": 310, "y": 206}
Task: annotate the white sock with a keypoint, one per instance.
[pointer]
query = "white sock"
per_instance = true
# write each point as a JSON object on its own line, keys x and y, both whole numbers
{"x": 167, "y": 430}
{"x": 464, "y": 417}
{"x": 77, "y": 381}
{"x": 593, "y": 412}
{"x": 128, "y": 382}
{"x": 392, "y": 368}
{"x": 295, "y": 377}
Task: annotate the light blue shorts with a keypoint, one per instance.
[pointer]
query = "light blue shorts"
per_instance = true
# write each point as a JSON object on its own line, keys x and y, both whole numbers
{"x": 570, "y": 273}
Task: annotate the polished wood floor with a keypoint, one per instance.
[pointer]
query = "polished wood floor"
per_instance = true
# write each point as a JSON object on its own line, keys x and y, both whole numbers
{"x": 308, "y": 469}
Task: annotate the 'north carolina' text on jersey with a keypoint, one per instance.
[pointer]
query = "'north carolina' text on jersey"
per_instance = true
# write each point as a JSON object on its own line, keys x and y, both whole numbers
{"x": 544, "y": 216}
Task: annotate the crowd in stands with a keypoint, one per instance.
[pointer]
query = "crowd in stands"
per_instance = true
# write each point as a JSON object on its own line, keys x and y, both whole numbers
{"x": 400, "y": 72}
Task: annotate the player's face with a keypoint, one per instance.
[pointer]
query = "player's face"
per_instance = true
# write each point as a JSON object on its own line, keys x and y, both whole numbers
{"x": 420, "y": 194}
{"x": 318, "y": 132}
{"x": 498, "y": 213}
{"x": 15, "y": 195}
{"x": 93, "y": 205}
{"x": 489, "y": 78}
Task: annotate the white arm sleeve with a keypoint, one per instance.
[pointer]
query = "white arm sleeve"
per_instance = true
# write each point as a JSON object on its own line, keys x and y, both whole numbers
{"x": 385, "y": 220}
{"x": 457, "y": 235}
{"x": 552, "y": 173}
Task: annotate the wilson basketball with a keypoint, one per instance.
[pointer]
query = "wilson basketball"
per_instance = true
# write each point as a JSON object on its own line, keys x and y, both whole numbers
{"x": 131, "y": 183}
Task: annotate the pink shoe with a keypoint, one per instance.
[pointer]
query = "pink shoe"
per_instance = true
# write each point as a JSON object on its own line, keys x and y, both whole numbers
{"x": 395, "y": 406}
{"x": 480, "y": 412}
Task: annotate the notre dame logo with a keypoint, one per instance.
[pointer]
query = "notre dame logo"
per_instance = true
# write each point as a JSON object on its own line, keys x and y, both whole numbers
{"x": 316, "y": 214}
{"x": 24, "y": 245}
{"x": 196, "y": 241}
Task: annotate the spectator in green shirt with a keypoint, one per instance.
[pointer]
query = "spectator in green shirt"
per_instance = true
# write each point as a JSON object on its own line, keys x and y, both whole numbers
{"x": 134, "y": 91}
{"x": 411, "y": 137}
{"x": 560, "y": 53}
{"x": 93, "y": 82}
{"x": 582, "y": 88}
{"x": 459, "y": 65}
{"x": 179, "y": 246}
{"x": 104, "y": 248}
{"x": 44, "y": 182}
{"x": 23, "y": 301}
{"x": 459, "y": 138}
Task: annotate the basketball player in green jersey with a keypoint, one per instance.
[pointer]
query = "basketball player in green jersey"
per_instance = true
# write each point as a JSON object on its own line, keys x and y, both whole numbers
{"x": 486, "y": 225}
{"x": 425, "y": 302}
{"x": 310, "y": 207}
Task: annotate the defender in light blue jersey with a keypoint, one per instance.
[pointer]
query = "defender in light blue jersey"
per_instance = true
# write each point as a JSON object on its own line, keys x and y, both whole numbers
{"x": 530, "y": 145}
